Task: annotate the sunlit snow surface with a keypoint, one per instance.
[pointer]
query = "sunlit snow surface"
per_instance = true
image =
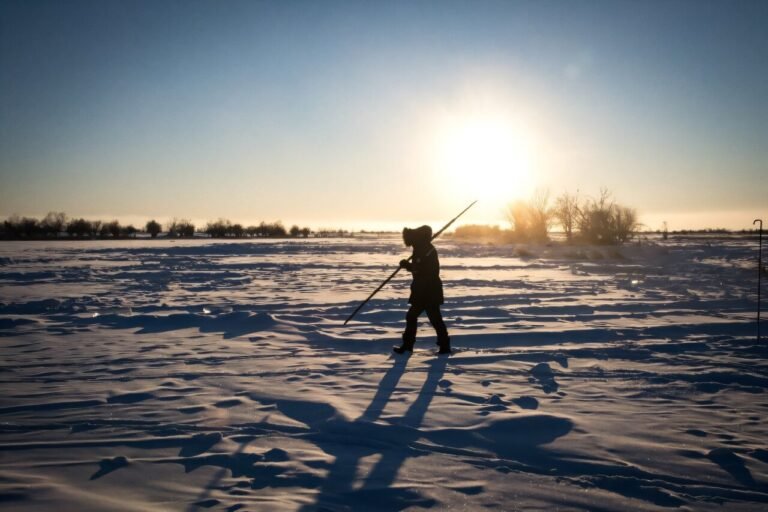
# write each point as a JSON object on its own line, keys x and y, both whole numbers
{"x": 158, "y": 375}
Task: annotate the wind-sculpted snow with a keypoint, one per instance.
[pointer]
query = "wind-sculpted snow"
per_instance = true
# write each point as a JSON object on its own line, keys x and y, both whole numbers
{"x": 184, "y": 375}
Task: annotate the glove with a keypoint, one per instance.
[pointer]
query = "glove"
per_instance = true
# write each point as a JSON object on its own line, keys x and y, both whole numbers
{"x": 403, "y": 263}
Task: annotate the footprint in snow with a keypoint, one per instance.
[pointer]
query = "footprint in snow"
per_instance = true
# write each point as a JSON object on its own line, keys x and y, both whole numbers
{"x": 545, "y": 377}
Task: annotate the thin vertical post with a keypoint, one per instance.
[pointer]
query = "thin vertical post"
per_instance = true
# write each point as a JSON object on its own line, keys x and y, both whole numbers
{"x": 759, "y": 271}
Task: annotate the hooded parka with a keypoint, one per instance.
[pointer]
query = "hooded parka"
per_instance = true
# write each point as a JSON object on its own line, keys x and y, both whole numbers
{"x": 426, "y": 287}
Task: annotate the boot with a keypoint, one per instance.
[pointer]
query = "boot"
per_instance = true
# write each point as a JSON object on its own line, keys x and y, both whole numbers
{"x": 407, "y": 345}
{"x": 445, "y": 345}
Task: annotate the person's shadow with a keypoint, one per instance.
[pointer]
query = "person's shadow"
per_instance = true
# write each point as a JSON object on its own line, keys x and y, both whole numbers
{"x": 349, "y": 442}
{"x": 352, "y": 441}
{"x": 386, "y": 444}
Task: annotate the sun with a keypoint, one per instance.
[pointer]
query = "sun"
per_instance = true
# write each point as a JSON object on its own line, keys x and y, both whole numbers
{"x": 485, "y": 157}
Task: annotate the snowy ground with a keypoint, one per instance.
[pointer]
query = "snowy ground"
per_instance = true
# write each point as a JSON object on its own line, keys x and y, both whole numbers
{"x": 158, "y": 375}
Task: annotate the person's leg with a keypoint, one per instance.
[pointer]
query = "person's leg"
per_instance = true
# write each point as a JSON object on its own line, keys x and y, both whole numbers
{"x": 436, "y": 319}
{"x": 411, "y": 323}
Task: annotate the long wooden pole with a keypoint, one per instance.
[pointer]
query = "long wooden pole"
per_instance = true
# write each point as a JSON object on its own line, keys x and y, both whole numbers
{"x": 398, "y": 268}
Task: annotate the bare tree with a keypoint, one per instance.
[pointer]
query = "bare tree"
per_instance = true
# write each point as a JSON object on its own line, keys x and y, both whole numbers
{"x": 95, "y": 228}
{"x": 275, "y": 229}
{"x": 180, "y": 228}
{"x": 172, "y": 228}
{"x": 531, "y": 219}
{"x": 602, "y": 221}
{"x": 219, "y": 228}
{"x": 186, "y": 228}
{"x": 79, "y": 228}
{"x": 566, "y": 212}
{"x": 153, "y": 228}
{"x": 53, "y": 223}
{"x": 110, "y": 228}
{"x": 625, "y": 223}
{"x": 129, "y": 231}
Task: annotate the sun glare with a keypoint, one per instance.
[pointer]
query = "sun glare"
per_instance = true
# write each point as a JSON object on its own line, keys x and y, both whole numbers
{"x": 484, "y": 157}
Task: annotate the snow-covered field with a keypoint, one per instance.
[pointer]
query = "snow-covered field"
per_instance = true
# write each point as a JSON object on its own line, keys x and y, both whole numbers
{"x": 158, "y": 375}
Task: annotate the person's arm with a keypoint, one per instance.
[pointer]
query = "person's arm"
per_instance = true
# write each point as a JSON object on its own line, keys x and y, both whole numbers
{"x": 414, "y": 265}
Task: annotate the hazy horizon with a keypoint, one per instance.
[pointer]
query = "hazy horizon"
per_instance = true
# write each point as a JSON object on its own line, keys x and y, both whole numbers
{"x": 732, "y": 220}
{"x": 359, "y": 115}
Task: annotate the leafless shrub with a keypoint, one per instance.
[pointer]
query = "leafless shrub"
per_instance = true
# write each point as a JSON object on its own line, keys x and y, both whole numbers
{"x": 79, "y": 228}
{"x": 110, "y": 228}
{"x": 53, "y": 223}
{"x": 219, "y": 228}
{"x": 531, "y": 219}
{"x": 153, "y": 228}
{"x": 181, "y": 228}
{"x": 601, "y": 221}
{"x": 566, "y": 211}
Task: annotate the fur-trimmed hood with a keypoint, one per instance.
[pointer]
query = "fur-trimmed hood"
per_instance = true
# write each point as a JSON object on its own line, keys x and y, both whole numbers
{"x": 418, "y": 237}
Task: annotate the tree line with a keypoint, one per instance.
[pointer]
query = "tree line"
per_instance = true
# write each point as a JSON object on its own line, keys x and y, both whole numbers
{"x": 599, "y": 220}
{"x": 589, "y": 220}
{"x": 58, "y": 225}
{"x": 223, "y": 228}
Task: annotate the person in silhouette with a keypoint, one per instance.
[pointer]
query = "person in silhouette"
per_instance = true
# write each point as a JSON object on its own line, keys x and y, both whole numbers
{"x": 426, "y": 289}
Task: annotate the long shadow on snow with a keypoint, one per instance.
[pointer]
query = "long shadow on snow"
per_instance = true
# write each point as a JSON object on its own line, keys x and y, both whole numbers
{"x": 515, "y": 439}
{"x": 347, "y": 441}
{"x": 508, "y": 444}
{"x": 231, "y": 325}
{"x": 398, "y": 440}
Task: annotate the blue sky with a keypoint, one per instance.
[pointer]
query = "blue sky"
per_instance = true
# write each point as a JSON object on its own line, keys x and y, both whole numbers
{"x": 335, "y": 113}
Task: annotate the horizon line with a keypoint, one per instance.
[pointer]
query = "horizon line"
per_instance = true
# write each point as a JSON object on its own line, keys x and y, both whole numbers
{"x": 649, "y": 222}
